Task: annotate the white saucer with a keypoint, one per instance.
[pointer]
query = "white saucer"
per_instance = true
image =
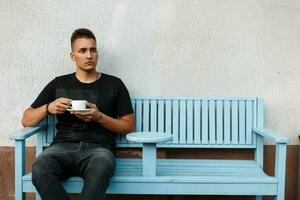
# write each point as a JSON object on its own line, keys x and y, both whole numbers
{"x": 79, "y": 110}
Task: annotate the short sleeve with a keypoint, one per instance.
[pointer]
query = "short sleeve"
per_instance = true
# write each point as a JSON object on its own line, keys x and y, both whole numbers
{"x": 123, "y": 102}
{"x": 47, "y": 95}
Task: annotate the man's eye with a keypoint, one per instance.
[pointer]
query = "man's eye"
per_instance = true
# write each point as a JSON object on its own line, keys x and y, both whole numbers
{"x": 93, "y": 50}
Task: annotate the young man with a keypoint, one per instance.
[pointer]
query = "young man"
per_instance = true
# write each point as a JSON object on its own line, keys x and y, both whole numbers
{"x": 84, "y": 141}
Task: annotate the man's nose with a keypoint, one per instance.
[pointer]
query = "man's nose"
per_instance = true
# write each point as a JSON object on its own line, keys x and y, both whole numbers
{"x": 89, "y": 54}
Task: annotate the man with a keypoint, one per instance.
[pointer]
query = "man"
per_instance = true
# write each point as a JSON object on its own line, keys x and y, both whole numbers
{"x": 85, "y": 141}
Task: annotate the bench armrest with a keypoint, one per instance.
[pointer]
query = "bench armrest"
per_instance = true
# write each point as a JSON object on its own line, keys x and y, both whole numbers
{"x": 148, "y": 137}
{"x": 277, "y": 138}
{"x": 27, "y": 132}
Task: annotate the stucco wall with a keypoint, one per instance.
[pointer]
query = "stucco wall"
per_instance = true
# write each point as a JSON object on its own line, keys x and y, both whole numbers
{"x": 160, "y": 48}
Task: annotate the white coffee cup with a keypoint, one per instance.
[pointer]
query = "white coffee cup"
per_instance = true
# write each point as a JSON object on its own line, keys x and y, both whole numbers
{"x": 78, "y": 104}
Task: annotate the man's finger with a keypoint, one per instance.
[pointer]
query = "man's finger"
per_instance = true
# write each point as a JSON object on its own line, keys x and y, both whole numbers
{"x": 62, "y": 106}
{"x": 65, "y": 101}
{"x": 83, "y": 113}
{"x": 91, "y": 105}
{"x": 83, "y": 118}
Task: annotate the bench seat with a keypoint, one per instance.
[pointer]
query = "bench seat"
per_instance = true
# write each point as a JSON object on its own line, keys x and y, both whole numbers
{"x": 193, "y": 176}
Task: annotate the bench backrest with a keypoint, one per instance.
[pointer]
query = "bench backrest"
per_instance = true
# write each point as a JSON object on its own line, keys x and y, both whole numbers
{"x": 193, "y": 122}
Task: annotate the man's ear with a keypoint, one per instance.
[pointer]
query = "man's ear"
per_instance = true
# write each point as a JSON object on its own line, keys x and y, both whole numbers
{"x": 72, "y": 56}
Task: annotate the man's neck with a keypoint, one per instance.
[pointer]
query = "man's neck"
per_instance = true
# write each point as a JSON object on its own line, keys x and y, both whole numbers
{"x": 87, "y": 76}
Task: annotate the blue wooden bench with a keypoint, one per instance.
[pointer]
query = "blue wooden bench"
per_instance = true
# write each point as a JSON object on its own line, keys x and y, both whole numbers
{"x": 234, "y": 123}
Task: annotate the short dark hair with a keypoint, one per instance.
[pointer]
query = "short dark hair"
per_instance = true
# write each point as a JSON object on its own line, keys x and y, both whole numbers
{"x": 82, "y": 33}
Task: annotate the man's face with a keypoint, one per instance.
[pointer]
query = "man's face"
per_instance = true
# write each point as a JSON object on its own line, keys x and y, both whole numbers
{"x": 85, "y": 54}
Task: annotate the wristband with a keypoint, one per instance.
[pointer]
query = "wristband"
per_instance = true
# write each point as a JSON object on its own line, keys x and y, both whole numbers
{"x": 47, "y": 109}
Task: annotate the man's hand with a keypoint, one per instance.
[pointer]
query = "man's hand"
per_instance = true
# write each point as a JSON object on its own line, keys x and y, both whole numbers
{"x": 93, "y": 115}
{"x": 122, "y": 125}
{"x": 59, "y": 106}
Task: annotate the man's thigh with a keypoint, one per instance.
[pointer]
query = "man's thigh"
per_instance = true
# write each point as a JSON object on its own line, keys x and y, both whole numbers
{"x": 58, "y": 159}
{"x": 96, "y": 159}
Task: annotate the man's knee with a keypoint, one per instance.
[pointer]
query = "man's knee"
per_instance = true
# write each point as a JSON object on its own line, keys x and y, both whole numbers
{"x": 44, "y": 168}
{"x": 39, "y": 167}
{"x": 100, "y": 168}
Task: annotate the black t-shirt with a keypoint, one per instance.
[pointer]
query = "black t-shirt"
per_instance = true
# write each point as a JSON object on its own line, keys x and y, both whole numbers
{"x": 108, "y": 93}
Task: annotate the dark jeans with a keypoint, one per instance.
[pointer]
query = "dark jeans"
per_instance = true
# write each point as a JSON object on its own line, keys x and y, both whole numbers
{"x": 94, "y": 164}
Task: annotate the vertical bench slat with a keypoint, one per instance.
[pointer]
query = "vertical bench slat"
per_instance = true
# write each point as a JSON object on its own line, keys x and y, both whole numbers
{"x": 153, "y": 126}
{"x": 133, "y": 103}
{"x": 197, "y": 122}
{"x": 168, "y": 117}
{"x": 204, "y": 118}
{"x": 183, "y": 121}
{"x": 212, "y": 122}
{"x": 234, "y": 122}
{"x": 161, "y": 118}
{"x": 190, "y": 131}
{"x": 249, "y": 122}
{"x": 50, "y": 129}
{"x": 146, "y": 115}
{"x": 227, "y": 131}
{"x": 138, "y": 115}
{"x": 175, "y": 122}
{"x": 259, "y": 151}
{"x": 254, "y": 123}
{"x": 219, "y": 122}
{"x": 242, "y": 123}
{"x": 40, "y": 141}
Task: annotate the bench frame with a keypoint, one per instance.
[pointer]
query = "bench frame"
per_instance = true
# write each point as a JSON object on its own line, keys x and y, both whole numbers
{"x": 165, "y": 183}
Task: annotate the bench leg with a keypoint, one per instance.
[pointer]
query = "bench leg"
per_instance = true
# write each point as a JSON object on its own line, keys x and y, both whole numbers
{"x": 258, "y": 198}
{"x": 19, "y": 169}
{"x": 149, "y": 164}
{"x": 280, "y": 168}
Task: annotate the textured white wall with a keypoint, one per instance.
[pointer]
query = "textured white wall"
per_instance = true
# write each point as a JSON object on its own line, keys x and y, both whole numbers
{"x": 161, "y": 48}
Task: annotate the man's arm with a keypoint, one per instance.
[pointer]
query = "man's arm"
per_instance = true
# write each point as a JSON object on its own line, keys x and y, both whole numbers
{"x": 33, "y": 116}
{"x": 122, "y": 125}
